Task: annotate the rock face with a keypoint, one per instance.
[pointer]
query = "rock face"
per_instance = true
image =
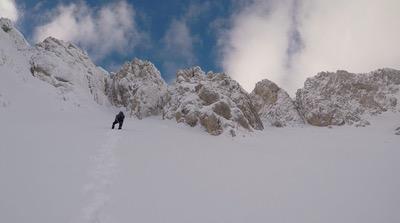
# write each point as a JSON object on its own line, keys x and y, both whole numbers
{"x": 139, "y": 88}
{"x": 214, "y": 101}
{"x": 68, "y": 68}
{"x": 61, "y": 64}
{"x": 274, "y": 105}
{"x": 345, "y": 98}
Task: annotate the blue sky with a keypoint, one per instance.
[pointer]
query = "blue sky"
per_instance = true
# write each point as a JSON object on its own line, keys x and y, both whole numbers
{"x": 154, "y": 19}
{"x": 284, "y": 41}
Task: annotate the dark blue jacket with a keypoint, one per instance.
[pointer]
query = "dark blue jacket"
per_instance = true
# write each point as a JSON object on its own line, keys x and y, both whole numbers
{"x": 120, "y": 117}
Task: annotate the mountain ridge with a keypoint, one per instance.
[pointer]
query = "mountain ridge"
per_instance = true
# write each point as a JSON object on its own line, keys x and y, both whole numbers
{"x": 213, "y": 101}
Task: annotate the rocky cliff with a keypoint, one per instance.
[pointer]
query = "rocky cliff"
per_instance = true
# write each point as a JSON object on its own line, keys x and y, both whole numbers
{"x": 139, "y": 88}
{"x": 69, "y": 69}
{"x": 346, "y": 98}
{"x": 213, "y": 100}
{"x": 274, "y": 105}
{"x": 61, "y": 64}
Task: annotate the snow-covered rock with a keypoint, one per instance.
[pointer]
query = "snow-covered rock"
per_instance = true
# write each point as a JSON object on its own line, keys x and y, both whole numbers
{"x": 346, "y": 98}
{"x": 69, "y": 69}
{"x": 214, "y": 101}
{"x": 61, "y": 64}
{"x": 11, "y": 33}
{"x": 139, "y": 88}
{"x": 274, "y": 105}
{"x": 14, "y": 50}
{"x": 397, "y": 131}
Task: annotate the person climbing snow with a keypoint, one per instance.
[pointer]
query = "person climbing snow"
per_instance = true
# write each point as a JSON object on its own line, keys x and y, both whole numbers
{"x": 119, "y": 119}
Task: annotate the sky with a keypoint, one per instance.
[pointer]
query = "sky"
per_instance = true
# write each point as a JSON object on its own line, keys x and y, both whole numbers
{"x": 285, "y": 41}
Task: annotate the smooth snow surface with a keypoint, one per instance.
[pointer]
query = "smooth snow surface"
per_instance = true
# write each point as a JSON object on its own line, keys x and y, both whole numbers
{"x": 69, "y": 166}
{"x": 280, "y": 175}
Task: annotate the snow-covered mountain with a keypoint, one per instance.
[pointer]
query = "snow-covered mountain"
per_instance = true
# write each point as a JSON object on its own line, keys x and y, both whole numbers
{"x": 14, "y": 49}
{"x": 139, "y": 88}
{"x": 10, "y": 35}
{"x": 69, "y": 69}
{"x": 346, "y": 98}
{"x": 274, "y": 105}
{"x": 214, "y": 101}
{"x": 61, "y": 64}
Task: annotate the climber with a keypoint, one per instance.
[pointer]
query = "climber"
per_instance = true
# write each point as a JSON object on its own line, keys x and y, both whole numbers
{"x": 119, "y": 119}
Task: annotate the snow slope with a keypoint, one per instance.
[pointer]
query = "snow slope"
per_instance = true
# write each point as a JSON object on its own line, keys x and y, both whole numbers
{"x": 75, "y": 169}
{"x": 280, "y": 175}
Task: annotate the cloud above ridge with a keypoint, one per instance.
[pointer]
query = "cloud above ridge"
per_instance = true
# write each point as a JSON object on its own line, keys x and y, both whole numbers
{"x": 8, "y": 9}
{"x": 101, "y": 31}
{"x": 289, "y": 40}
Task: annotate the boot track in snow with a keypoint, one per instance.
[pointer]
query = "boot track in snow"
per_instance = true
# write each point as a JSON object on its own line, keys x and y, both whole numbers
{"x": 101, "y": 173}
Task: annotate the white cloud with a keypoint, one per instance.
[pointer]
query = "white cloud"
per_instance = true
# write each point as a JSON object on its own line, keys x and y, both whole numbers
{"x": 356, "y": 35}
{"x": 108, "y": 29}
{"x": 255, "y": 45}
{"x": 8, "y": 9}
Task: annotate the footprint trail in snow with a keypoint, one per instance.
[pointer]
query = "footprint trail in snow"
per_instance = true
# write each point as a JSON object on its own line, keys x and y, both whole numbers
{"x": 102, "y": 173}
